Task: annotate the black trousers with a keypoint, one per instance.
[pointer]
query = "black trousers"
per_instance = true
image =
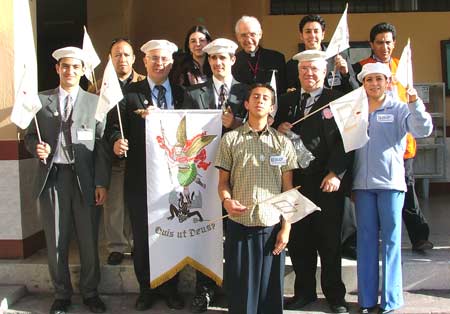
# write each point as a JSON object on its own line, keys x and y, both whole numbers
{"x": 318, "y": 233}
{"x": 415, "y": 222}
{"x": 139, "y": 224}
{"x": 254, "y": 277}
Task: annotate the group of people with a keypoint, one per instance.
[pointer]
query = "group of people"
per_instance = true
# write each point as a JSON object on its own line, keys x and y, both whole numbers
{"x": 81, "y": 158}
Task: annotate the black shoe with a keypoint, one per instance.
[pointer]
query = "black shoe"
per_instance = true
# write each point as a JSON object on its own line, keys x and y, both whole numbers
{"x": 95, "y": 304}
{"x": 296, "y": 303}
{"x": 144, "y": 301}
{"x": 382, "y": 311}
{"x": 60, "y": 306}
{"x": 201, "y": 301}
{"x": 367, "y": 310}
{"x": 422, "y": 245}
{"x": 349, "y": 253}
{"x": 115, "y": 258}
{"x": 174, "y": 301}
{"x": 340, "y": 307}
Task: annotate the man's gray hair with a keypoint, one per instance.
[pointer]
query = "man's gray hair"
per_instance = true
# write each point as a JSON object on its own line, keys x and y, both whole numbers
{"x": 247, "y": 19}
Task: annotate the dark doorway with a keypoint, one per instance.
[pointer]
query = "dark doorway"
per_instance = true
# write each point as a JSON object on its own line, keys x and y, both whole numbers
{"x": 59, "y": 24}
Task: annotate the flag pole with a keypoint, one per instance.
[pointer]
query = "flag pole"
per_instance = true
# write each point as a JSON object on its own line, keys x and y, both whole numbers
{"x": 95, "y": 81}
{"x": 39, "y": 137}
{"x": 120, "y": 125}
{"x": 334, "y": 71}
{"x": 309, "y": 114}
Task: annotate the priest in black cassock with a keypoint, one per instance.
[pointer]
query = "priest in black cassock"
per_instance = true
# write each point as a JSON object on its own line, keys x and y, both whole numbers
{"x": 255, "y": 64}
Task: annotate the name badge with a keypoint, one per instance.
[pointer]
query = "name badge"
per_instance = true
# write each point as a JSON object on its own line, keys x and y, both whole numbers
{"x": 336, "y": 81}
{"x": 85, "y": 135}
{"x": 385, "y": 118}
{"x": 277, "y": 160}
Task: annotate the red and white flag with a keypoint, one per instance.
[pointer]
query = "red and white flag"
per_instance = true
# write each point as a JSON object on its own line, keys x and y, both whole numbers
{"x": 404, "y": 74}
{"x": 291, "y": 204}
{"x": 26, "y": 103}
{"x": 92, "y": 59}
{"x": 341, "y": 38}
{"x": 110, "y": 92}
{"x": 351, "y": 113}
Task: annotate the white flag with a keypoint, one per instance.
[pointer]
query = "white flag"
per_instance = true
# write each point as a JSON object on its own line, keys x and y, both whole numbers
{"x": 27, "y": 102}
{"x": 292, "y": 205}
{"x": 340, "y": 40}
{"x": 351, "y": 113}
{"x": 273, "y": 83}
{"x": 404, "y": 74}
{"x": 110, "y": 92}
{"x": 92, "y": 59}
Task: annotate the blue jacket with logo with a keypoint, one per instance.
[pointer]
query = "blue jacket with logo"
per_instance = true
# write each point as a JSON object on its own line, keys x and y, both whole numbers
{"x": 379, "y": 163}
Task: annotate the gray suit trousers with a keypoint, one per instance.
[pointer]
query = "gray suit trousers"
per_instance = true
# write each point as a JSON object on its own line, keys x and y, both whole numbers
{"x": 62, "y": 201}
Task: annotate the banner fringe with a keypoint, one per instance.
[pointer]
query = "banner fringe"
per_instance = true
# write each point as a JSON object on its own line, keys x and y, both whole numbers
{"x": 178, "y": 267}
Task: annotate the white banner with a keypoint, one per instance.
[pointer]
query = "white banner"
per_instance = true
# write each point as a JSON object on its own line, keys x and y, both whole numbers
{"x": 183, "y": 203}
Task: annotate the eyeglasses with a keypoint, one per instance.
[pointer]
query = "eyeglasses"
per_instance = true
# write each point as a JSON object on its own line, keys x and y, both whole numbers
{"x": 249, "y": 35}
{"x": 156, "y": 59}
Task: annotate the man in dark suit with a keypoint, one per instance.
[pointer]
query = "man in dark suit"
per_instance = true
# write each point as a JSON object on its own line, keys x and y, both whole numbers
{"x": 255, "y": 64}
{"x": 223, "y": 92}
{"x": 117, "y": 225}
{"x": 140, "y": 99}
{"x": 312, "y": 32}
{"x": 71, "y": 180}
{"x": 320, "y": 182}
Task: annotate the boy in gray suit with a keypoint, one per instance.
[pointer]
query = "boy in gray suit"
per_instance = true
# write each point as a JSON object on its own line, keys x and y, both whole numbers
{"x": 71, "y": 179}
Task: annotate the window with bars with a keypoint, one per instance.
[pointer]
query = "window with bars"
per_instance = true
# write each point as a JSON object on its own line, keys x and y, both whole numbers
{"x": 283, "y": 7}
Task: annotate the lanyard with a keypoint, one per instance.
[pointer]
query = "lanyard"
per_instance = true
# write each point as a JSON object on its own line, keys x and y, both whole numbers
{"x": 254, "y": 69}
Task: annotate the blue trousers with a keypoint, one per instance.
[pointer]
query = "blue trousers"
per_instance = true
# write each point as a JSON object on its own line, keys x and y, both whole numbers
{"x": 379, "y": 213}
{"x": 254, "y": 277}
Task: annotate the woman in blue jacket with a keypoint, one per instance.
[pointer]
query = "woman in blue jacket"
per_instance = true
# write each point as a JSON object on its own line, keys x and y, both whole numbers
{"x": 379, "y": 186}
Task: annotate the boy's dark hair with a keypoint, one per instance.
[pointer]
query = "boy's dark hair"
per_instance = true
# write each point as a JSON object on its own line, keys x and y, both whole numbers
{"x": 382, "y": 28}
{"x": 265, "y": 85}
{"x": 311, "y": 18}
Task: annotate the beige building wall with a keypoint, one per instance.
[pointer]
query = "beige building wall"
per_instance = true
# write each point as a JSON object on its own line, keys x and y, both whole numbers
{"x": 170, "y": 19}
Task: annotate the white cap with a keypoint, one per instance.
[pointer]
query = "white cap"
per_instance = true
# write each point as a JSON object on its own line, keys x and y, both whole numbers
{"x": 159, "y": 44}
{"x": 220, "y": 45}
{"x": 69, "y": 52}
{"x": 310, "y": 55}
{"x": 376, "y": 67}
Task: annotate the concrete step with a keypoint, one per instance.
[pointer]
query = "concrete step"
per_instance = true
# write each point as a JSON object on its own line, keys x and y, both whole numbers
{"x": 417, "y": 302}
{"x": 429, "y": 271}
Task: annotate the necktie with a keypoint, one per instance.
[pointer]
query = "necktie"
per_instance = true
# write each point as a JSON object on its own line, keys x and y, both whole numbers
{"x": 161, "y": 97}
{"x": 304, "y": 100}
{"x": 223, "y": 96}
{"x": 67, "y": 108}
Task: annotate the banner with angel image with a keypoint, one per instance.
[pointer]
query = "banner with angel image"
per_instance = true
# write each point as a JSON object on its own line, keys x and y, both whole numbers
{"x": 182, "y": 199}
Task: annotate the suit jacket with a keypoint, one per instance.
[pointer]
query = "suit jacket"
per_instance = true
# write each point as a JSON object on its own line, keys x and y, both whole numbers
{"x": 319, "y": 133}
{"x": 138, "y": 96}
{"x": 343, "y": 83}
{"x": 268, "y": 60}
{"x": 202, "y": 96}
{"x": 90, "y": 155}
